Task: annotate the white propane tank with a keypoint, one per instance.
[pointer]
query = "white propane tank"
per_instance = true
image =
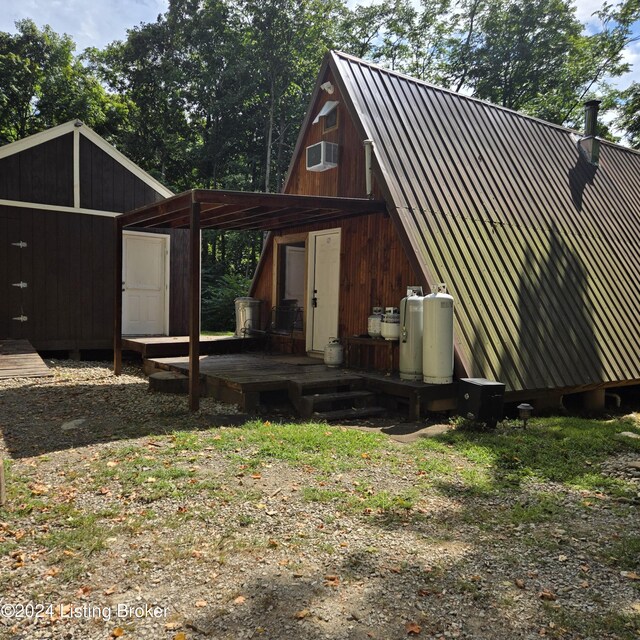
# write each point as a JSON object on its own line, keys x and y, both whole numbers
{"x": 411, "y": 314}
{"x": 333, "y": 353}
{"x": 374, "y": 323}
{"x": 437, "y": 338}
{"x": 391, "y": 324}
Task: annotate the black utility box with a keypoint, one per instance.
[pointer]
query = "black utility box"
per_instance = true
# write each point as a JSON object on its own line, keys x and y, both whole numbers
{"x": 481, "y": 400}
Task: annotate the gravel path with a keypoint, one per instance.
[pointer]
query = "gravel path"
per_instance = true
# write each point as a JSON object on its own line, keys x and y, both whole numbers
{"x": 242, "y": 552}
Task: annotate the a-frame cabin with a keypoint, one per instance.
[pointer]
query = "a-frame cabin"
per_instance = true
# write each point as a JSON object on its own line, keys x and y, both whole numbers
{"x": 534, "y": 234}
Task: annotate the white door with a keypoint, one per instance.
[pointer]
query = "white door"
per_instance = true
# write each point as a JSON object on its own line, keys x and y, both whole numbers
{"x": 145, "y": 259}
{"x": 324, "y": 288}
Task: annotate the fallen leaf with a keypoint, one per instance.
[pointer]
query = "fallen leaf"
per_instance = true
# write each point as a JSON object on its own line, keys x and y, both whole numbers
{"x": 630, "y": 575}
{"x": 53, "y": 571}
{"x": 118, "y": 632}
{"x": 110, "y": 590}
{"x": 366, "y": 456}
{"x": 151, "y": 479}
{"x": 332, "y": 581}
{"x": 562, "y": 558}
{"x": 519, "y": 583}
{"x": 172, "y": 626}
{"x": 547, "y": 595}
{"x": 181, "y": 635}
{"x": 256, "y": 476}
{"x": 201, "y": 603}
{"x": 302, "y": 614}
{"x": 83, "y": 591}
{"x": 239, "y": 600}
{"x": 413, "y": 629}
{"x": 112, "y": 463}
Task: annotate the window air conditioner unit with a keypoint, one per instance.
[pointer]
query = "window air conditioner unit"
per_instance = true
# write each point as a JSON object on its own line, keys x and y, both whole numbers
{"x": 322, "y": 156}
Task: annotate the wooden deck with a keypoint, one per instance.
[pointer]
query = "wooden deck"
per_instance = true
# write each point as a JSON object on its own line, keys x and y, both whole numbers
{"x": 18, "y": 359}
{"x": 173, "y": 346}
{"x": 242, "y": 379}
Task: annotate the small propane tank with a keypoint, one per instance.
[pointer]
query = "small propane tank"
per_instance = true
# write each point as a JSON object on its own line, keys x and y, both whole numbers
{"x": 411, "y": 314}
{"x": 391, "y": 324}
{"x": 437, "y": 338}
{"x": 374, "y": 323}
{"x": 333, "y": 353}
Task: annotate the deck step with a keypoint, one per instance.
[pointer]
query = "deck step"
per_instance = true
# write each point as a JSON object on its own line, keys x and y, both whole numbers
{"x": 354, "y": 412}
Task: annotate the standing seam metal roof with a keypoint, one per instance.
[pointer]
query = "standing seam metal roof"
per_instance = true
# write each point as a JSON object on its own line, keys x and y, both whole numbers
{"x": 537, "y": 245}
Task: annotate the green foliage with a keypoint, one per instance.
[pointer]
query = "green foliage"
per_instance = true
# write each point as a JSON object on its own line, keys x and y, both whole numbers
{"x": 630, "y": 114}
{"x": 42, "y": 84}
{"x": 218, "y": 308}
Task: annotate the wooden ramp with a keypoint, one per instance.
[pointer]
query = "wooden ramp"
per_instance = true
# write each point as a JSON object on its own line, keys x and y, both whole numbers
{"x": 18, "y": 359}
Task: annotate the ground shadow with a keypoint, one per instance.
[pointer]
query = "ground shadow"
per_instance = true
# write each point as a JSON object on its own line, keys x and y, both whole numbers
{"x": 38, "y": 418}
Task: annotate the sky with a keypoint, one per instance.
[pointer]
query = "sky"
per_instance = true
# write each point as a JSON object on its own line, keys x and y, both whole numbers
{"x": 98, "y": 22}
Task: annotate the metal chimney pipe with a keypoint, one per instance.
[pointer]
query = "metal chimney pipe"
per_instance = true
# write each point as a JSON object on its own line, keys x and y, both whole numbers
{"x": 368, "y": 166}
{"x": 591, "y": 109}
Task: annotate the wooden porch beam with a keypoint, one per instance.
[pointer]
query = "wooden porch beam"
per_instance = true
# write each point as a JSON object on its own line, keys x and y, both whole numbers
{"x": 117, "y": 305}
{"x": 194, "y": 307}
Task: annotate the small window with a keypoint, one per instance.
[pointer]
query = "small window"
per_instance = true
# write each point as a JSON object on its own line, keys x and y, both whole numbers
{"x": 330, "y": 121}
{"x": 290, "y": 289}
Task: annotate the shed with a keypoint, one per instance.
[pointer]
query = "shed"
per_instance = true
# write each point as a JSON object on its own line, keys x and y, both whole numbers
{"x": 536, "y": 240}
{"x": 60, "y": 191}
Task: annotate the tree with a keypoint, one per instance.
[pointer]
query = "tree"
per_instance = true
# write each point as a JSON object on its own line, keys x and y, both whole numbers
{"x": 629, "y": 118}
{"x": 43, "y": 84}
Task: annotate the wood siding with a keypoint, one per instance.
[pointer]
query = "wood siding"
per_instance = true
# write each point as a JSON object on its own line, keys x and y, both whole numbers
{"x": 42, "y": 174}
{"x": 68, "y": 265}
{"x": 374, "y": 269}
{"x": 106, "y": 185}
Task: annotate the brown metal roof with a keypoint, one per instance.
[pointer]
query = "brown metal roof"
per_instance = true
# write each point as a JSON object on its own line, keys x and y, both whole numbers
{"x": 538, "y": 246}
{"x": 242, "y": 211}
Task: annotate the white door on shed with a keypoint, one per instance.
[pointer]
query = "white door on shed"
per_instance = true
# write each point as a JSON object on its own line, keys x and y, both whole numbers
{"x": 145, "y": 260}
{"x": 324, "y": 288}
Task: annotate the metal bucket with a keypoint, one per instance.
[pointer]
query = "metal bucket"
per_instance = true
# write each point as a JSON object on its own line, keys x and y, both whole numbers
{"x": 247, "y": 316}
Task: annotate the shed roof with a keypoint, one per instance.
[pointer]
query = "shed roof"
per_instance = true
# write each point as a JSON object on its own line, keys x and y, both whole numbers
{"x": 538, "y": 246}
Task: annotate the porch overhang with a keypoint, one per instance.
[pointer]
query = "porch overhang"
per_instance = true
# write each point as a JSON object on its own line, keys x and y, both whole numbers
{"x": 199, "y": 209}
{"x": 247, "y": 211}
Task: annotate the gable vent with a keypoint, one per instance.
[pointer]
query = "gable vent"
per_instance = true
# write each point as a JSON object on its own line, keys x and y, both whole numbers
{"x": 322, "y": 156}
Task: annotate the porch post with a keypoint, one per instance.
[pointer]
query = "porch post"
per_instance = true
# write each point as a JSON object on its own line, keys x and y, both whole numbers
{"x": 194, "y": 307}
{"x": 117, "y": 304}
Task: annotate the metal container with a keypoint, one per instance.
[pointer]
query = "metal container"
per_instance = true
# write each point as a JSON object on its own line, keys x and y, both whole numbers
{"x": 374, "y": 323}
{"x": 437, "y": 338}
{"x": 391, "y": 324}
{"x": 333, "y": 353}
{"x": 247, "y": 316}
{"x": 411, "y": 315}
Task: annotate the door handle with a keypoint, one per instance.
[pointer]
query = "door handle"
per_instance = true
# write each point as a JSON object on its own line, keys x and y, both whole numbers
{"x": 314, "y": 302}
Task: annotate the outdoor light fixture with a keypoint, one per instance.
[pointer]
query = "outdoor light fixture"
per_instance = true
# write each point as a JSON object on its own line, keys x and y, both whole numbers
{"x": 327, "y": 86}
{"x": 524, "y": 413}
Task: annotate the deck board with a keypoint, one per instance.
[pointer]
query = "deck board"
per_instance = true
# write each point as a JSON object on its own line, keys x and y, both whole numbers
{"x": 18, "y": 359}
{"x": 175, "y": 346}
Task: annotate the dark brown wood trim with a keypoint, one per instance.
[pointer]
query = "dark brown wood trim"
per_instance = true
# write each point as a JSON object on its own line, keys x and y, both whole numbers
{"x": 194, "y": 307}
{"x": 117, "y": 307}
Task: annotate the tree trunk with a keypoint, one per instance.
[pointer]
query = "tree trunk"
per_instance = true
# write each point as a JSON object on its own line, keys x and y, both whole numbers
{"x": 272, "y": 107}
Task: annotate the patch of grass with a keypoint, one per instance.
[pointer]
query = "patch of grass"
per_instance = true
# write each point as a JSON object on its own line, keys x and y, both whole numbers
{"x": 542, "y": 507}
{"x": 80, "y": 533}
{"x": 624, "y": 553}
{"x": 619, "y": 625}
{"x": 312, "y": 444}
{"x": 557, "y": 449}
